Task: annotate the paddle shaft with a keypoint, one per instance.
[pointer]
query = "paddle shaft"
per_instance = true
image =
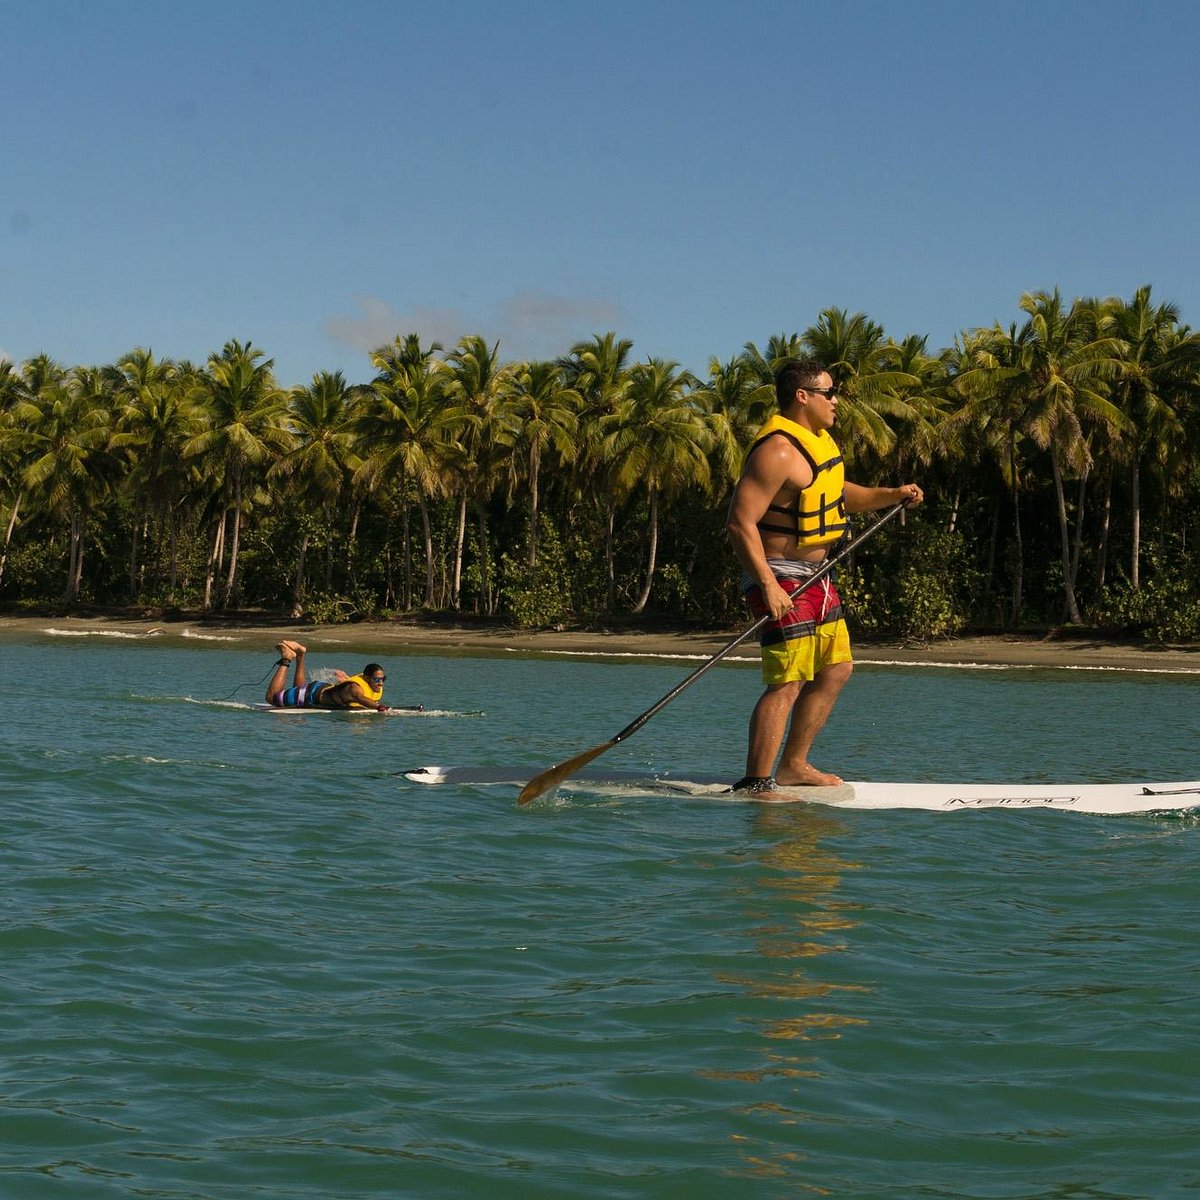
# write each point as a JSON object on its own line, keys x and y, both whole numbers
{"x": 820, "y": 573}
{"x": 555, "y": 775}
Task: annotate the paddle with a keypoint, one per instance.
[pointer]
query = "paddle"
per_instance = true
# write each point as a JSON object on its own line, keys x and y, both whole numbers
{"x": 555, "y": 775}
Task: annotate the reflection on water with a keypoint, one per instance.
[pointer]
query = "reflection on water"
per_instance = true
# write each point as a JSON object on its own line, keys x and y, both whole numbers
{"x": 797, "y": 919}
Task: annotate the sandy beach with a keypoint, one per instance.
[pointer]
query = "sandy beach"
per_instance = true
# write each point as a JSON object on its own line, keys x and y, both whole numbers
{"x": 398, "y": 637}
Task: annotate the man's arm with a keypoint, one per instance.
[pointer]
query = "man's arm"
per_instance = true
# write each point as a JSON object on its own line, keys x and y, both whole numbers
{"x": 360, "y": 698}
{"x": 768, "y": 470}
{"x": 865, "y": 499}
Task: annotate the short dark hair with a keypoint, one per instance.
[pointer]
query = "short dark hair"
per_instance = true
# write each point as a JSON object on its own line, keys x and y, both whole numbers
{"x": 793, "y": 374}
{"x": 371, "y": 669}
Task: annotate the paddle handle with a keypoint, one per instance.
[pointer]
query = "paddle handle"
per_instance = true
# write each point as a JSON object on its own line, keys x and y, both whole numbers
{"x": 820, "y": 573}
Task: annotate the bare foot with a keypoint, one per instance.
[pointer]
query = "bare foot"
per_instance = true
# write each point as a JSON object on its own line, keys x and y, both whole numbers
{"x": 808, "y": 776}
{"x": 762, "y": 788}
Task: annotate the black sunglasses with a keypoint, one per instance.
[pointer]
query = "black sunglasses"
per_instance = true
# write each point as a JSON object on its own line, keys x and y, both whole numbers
{"x": 828, "y": 392}
{"x": 377, "y": 678}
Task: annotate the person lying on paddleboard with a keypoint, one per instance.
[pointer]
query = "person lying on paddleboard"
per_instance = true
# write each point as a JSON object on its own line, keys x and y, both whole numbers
{"x": 364, "y": 690}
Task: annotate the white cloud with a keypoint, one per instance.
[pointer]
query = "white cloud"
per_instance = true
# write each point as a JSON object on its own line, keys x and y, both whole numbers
{"x": 534, "y": 323}
{"x": 540, "y": 324}
{"x": 379, "y": 324}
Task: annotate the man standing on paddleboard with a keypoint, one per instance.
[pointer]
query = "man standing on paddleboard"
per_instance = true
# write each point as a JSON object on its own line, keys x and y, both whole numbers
{"x": 788, "y": 510}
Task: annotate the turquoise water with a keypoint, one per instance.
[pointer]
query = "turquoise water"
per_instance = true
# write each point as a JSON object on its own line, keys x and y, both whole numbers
{"x": 241, "y": 958}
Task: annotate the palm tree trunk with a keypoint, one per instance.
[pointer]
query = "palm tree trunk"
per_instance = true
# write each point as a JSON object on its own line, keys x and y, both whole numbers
{"x": 231, "y": 578}
{"x": 1135, "y": 501}
{"x": 1018, "y": 547}
{"x": 533, "y": 504}
{"x": 1069, "y": 603}
{"x": 174, "y": 540}
{"x": 993, "y": 542}
{"x": 1077, "y": 543}
{"x": 1105, "y": 519}
{"x": 653, "y": 554}
{"x": 427, "y": 538}
{"x": 8, "y": 533}
{"x": 352, "y": 548}
{"x": 215, "y": 557}
{"x": 135, "y": 535}
{"x": 485, "y": 559}
{"x": 235, "y": 537}
{"x": 610, "y": 564}
{"x": 327, "y": 512}
{"x": 74, "y": 560}
{"x": 406, "y": 541}
{"x": 460, "y": 541}
{"x": 389, "y": 571}
{"x": 298, "y": 578}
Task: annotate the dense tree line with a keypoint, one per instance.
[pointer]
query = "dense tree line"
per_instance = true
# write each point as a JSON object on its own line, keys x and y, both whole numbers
{"x": 1059, "y": 456}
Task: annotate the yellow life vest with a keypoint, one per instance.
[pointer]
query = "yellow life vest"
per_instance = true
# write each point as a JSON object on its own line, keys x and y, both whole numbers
{"x": 820, "y": 510}
{"x": 373, "y": 694}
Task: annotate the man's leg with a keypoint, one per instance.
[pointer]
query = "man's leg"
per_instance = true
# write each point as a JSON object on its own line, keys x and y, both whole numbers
{"x": 301, "y": 677}
{"x": 279, "y": 678}
{"x": 811, "y": 711}
{"x": 768, "y": 724}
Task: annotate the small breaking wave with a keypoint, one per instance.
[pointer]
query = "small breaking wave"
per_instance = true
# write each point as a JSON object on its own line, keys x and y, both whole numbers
{"x": 111, "y": 633}
{"x": 978, "y": 666}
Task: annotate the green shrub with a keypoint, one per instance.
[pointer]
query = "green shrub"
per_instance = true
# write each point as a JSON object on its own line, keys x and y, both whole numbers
{"x": 1165, "y": 608}
{"x": 917, "y": 585}
{"x": 538, "y": 596}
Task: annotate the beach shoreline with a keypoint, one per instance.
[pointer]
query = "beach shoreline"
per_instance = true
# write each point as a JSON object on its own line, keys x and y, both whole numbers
{"x": 382, "y": 638}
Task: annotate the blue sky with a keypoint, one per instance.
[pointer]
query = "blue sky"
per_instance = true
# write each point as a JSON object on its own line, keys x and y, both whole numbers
{"x": 320, "y": 177}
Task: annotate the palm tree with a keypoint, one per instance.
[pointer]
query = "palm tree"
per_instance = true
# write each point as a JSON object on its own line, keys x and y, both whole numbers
{"x": 1046, "y": 382}
{"x": 478, "y": 383}
{"x": 659, "y": 440}
{"x": 1067, "y": 363}
{"x": 739, "y": 401}
{"x": 598, "y": 370}
{"x": 1158, "y": 365}
{"x": 407, "y": 427}
{"x": 321, "y": 460}
{"x": 973, "y": 455}
{"x": 12, "y": 389}
{"x": 242, "y": 427}
{"x": 870, "y": 384}
{"x": 921, "y": 388}
{"x": 155, "y": 418}
{"x": 764, "y": 363}
{"x": 34, "y": 382}
{"x": 65, "y": 419}
{"x": 989, "y": 381}
{"x": 541, "y": 415}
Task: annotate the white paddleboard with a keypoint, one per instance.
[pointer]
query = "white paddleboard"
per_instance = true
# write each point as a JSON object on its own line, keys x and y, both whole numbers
{"x": 368, "y": 712}
{"x": 1100, "y": 798}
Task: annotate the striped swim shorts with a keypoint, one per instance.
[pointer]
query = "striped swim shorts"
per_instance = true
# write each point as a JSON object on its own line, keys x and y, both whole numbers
{"x": 304, "y": 696}
{"x": 810, "y": 637}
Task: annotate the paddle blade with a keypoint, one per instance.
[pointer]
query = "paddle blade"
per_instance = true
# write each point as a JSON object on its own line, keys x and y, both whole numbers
{"x": 555, "y": 775}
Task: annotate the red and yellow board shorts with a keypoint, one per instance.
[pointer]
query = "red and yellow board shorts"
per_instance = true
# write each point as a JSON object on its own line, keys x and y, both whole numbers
{"x": 812, "y": 636}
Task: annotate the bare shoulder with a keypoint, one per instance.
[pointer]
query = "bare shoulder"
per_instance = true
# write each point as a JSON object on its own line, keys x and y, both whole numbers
{"x": 777, "y": 462}
{"x": 775, "y": 454}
